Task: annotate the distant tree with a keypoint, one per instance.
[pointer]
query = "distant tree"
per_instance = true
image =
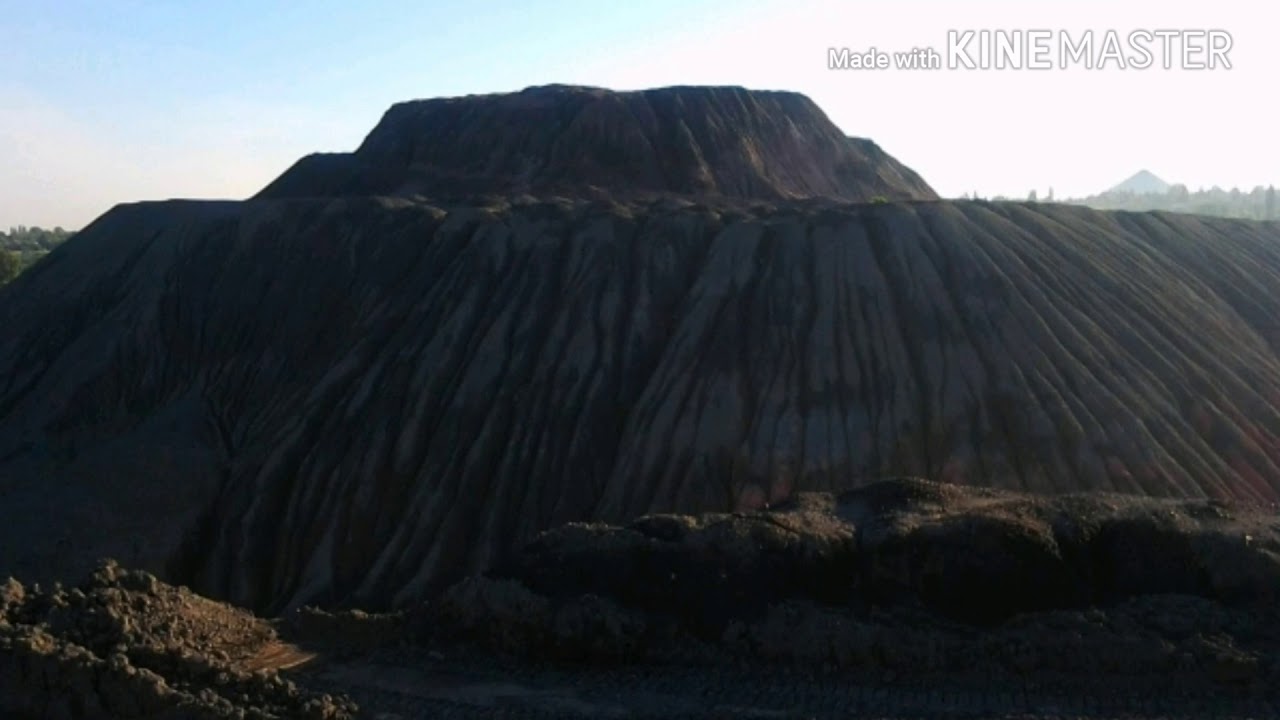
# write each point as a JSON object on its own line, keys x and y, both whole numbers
{"x": 1031, "y": 196}
{"x": 10, "y": 266}
{"x": 33, "y": 239}
{"x": 1234, "y": 203}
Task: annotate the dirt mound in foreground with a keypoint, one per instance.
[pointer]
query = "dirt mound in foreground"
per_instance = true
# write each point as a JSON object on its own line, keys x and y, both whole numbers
{"x": 971, "y": 554}
{"x": 906, "y": 576}
{"x": 125, "y": 645}
{"x": 835, "y": 598}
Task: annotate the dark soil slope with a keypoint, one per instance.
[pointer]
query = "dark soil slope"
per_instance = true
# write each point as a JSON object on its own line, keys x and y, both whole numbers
{"x": 357, "y": 400}
{"x": 560, "y": 140}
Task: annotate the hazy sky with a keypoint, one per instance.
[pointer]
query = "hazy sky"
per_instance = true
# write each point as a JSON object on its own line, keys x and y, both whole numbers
{"x": 114, "y": 101}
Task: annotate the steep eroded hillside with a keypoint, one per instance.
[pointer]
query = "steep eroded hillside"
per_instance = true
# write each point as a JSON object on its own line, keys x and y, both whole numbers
{"x": 358, "y": 400}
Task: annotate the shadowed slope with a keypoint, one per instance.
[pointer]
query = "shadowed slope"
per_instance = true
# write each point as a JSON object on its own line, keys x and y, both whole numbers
{"x": 588, "y": 142}
{"x": 357, "y": 400}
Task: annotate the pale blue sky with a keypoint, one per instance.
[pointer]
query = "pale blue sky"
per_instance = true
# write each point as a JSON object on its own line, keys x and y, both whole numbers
{"x": 115, "y": 101}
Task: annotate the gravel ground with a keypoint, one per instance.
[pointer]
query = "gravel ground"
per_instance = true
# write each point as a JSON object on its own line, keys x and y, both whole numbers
{"x": 406, "y": 684}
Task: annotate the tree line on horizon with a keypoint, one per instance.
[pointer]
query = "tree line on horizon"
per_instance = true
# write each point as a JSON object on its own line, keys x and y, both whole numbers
{"x": 22, "y": 246}
{"x": 1260, "y": 203}
{"x": 1257, "y": 204}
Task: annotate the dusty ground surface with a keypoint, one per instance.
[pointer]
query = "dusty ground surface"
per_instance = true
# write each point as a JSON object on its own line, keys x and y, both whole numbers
{"x": 402, "y": 686}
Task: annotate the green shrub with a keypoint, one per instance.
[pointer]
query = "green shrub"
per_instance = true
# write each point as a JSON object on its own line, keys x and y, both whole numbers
{"x": 10, "y": 265}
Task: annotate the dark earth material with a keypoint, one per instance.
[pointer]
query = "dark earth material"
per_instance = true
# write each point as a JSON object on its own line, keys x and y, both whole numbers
{"x": 806, "y": 643}
{"x": 358, "y": 400}
{"x": 700, "y": 142}
{"x": 378, "y": 383}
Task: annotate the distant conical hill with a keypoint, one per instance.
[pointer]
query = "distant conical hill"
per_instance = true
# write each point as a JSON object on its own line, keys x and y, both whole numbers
{"x": 1142, "y": 183}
